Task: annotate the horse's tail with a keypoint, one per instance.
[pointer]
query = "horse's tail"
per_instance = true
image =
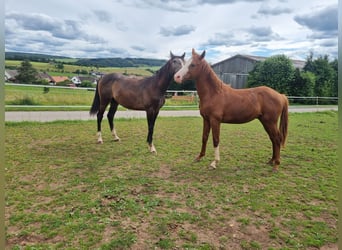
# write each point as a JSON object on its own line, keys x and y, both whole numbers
{"x": 284, "y": 120}
{"x": 96, "y": 102}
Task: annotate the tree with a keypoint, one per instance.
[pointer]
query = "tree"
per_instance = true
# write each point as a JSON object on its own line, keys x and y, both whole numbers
{"x": 303, "y": 84}
{"x": 26, "y": 73}
{"x": 324, "y": 72}
{"x": 59, "y": 65}
{"x": 187, "y": 85}
{"x": 276, "y": 72}
{"x": 334, "y": 88}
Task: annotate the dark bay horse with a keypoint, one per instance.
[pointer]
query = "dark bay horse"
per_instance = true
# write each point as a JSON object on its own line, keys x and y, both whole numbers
{"x": 219, "y": 103}
{"x": 134, "y": 93}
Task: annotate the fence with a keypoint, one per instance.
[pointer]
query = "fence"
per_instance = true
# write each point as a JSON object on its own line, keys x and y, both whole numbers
{"x": 190, "y": 97}
{"x": 316, "y": 100}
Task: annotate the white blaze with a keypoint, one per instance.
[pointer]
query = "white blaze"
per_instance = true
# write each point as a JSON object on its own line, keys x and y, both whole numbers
{"x": 178, "y": 77}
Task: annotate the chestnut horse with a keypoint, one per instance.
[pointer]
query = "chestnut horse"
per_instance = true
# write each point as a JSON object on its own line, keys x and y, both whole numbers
{"x": 134, "y": 93}
{"x": 221, "y": 103}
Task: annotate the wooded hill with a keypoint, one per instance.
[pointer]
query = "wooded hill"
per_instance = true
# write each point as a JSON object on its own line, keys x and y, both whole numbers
{"x": 94, "y": 62}
{"x": 32, "y": 57}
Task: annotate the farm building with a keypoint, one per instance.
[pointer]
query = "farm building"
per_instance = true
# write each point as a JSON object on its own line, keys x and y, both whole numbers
{"x": 77, "y": 80}
{"x": 234, "y": 70}
{"x": 10, "y": 75}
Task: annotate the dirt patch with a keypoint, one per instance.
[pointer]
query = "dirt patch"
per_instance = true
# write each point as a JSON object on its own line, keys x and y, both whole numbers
{"x": 164, "y": 172}
{"x": 27, "y": 240}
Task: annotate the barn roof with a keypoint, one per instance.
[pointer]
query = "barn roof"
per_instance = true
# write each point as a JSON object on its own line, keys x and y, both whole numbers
{"x": 57, "y": 79}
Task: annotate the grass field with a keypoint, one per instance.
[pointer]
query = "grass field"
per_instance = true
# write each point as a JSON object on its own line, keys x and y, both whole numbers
{"x": 47, "y": 96}
{"x": 64, "y": 191}
{"x": 69, "y": 69}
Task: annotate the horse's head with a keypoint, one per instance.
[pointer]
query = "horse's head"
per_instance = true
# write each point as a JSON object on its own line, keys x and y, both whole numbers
{"x": 176, "y": 62}
{"x": 191, "y": 69}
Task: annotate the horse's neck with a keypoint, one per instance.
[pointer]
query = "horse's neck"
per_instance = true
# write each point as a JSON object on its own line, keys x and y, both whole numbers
{"x": 208, "y": 84}
{"x": 163, "y": 79}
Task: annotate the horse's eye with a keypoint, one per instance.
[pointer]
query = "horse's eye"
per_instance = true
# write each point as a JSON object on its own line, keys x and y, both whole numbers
{"x": 192, "y": 65}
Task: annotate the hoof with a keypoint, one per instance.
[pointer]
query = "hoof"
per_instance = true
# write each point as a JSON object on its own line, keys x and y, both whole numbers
{"x": 117, "y": 139}
{"x": 213, "y": 165}
{"x": 275, "y": 165}
{"x": 198, "y": 158}
{"x": 99, "y": 142}
{"x": 270, "y": 162}
{"x": 152, "y": 149}
{"x": 275, "y": 169}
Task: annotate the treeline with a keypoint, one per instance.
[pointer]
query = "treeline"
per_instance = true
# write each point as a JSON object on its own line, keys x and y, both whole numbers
{"x": 91, "y": 62}
{"x": 120, "y": 62}
{"x": 317, "y": 78}
{"x": 20, "y": 56}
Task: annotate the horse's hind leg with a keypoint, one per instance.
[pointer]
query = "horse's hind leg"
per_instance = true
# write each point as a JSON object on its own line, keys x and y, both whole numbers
{"x": 112, "y": 110}
{"x": 99, "y": 120}
{"x": 275, "y": 137}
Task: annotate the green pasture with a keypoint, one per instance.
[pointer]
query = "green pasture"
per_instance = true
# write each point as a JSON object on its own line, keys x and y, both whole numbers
{"x": 65, "y": 191}
{"x": 75, "y": 98}
{"x": 69, "y": 68}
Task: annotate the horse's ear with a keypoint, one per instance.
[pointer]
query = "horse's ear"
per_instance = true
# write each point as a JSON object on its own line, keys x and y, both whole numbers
{"x": 193, "y": 51}
{"x": 182, "y": 56}
{"x": 202, "y": 55}
{"x": 171, "y": 54}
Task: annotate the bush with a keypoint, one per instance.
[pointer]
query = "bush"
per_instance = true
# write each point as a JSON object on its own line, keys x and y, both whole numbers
{"x": 26, "y": 100}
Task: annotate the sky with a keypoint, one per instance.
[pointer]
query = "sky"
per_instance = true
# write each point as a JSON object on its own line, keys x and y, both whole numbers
{"x": 153, "y": 28}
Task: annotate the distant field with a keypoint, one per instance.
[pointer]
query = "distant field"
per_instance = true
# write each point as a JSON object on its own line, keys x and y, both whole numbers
{"x": 68, "y": 69}
{"x": 49, "y": 96}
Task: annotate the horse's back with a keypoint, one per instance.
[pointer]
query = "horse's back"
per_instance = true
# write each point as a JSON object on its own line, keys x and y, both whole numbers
{"x": 109, "y": 78}
{"x": 267, "y": 94}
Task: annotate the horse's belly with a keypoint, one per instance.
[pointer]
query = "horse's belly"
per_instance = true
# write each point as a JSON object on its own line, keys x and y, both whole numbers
{"x": 239, "y": 116}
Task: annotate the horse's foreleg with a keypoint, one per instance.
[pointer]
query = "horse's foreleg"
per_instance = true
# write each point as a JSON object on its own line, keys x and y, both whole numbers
{"x": 205, "y": 135}
{"x": 216, "y": 140}
{"x": 151, "y": 119}
{"x": 110, "y": 116}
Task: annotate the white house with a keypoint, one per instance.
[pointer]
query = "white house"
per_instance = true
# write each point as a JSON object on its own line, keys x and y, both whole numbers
{"x": 76, "y": 80}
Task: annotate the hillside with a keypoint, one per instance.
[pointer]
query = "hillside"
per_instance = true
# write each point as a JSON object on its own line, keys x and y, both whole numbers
{"x": 32, "y": 57}
{"x": 93, "y": 62}
{"x": 120, "y": 62}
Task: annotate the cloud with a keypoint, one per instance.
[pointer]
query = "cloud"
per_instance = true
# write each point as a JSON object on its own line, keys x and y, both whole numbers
{"x": 40, "y": 22}
{"x": 215, "y": 2}
{"x": 64, "y": 29}
{"x": 262, "y": 34}
{"x": 329, "y": 43}
{"x": 173, "y": 6}
{"x": 183, "y": 5}
{"x": 177, "y": 31}
{"x": 138, "y": 48}
{"x": 103, "y": 15}
{"x": 129, "y": 28}
{"x": 267, "y": 11}
{"x": 323, "y": 23}
{"x": 41, "y": 33}
{"x": 224, "y": 39}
